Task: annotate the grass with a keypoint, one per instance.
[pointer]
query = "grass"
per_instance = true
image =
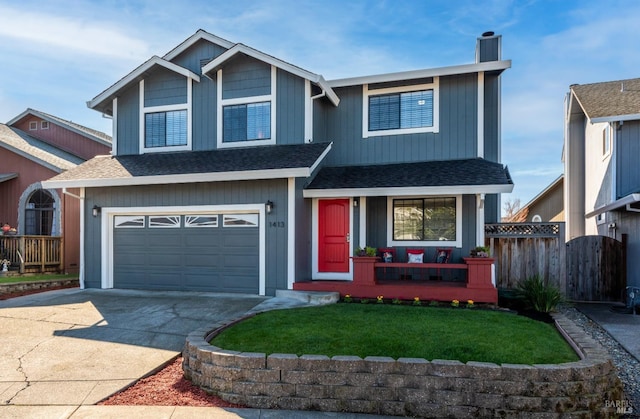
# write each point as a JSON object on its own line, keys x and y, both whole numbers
{"x": 400, "y": 331}
{"x": 33, "y": 278}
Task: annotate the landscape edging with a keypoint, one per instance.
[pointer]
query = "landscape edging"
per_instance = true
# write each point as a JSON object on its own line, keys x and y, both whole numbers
{"x": 408, "y": 386}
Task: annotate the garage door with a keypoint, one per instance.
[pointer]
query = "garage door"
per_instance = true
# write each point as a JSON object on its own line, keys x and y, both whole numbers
{"x": 203, "y": 252}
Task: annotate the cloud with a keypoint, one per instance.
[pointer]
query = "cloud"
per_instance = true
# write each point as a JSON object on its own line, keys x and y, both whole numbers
{"x": 61, "y": 33}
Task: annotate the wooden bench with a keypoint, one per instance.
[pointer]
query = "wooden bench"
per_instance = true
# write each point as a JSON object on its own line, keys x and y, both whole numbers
{"x": 404, "y": 266}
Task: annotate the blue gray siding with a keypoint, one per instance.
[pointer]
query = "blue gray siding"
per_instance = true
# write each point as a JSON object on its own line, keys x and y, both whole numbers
{"x": 129, "y": 122}
{"x": 456, "y": 139}
{"x": 244, "y": 77}
{"x": 491, "y": 118}
{"x": 489, "y": 49}
{"x": 290, "y": 108}
{"x": 628, "y": 169}
{"x": 377, "y": 228}
{"x": 164, "y": 87}
{"x": 198, "y": 55}
{"x": 221, "y": 193}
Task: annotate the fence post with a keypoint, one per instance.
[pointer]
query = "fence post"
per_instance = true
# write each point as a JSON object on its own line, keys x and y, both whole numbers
{"x": 21, "y": 253}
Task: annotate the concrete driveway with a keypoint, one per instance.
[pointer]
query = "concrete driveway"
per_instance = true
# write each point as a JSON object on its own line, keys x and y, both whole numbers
{"x": 76, "y": 347}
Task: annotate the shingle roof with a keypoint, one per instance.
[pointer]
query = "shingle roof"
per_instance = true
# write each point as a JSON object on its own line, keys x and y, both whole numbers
{"x": 608, "y": 99}
{"x": 134, "y": 169}
{"x": 19, "y": 142}
{"x": 469, "y": 172}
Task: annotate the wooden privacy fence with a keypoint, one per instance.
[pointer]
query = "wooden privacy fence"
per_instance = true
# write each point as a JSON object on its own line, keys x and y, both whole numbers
{"x": 596, "y": 269}
{"x": 523, "y": 250}
{"x": 33, "y": 253}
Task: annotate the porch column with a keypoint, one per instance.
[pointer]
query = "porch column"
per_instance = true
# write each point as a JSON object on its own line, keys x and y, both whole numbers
{"x": 480, "y": 219}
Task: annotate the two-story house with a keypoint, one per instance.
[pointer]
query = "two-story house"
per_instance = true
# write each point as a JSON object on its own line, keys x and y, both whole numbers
{"x": 602, "y": 180}
{"x": 35, "y": 146}
{"x": 235, "y": 171}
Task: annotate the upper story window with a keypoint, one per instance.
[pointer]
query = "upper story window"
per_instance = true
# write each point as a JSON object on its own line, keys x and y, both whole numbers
{"x": 44, "y": 124}
{"x": 425, "y": 221}
{"x": 247, "y": 120}
{"x": 400, "y": 110}
{"x": 165, "y": 129}
{"x": 606, "y": 141}
{"x": 33, "y": 125}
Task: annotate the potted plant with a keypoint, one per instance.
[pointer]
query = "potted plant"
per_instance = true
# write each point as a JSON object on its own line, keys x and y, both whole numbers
{"x": 366, "y": 252}
{"x": 363, "y": 265}
{"x": 480, "y": 252}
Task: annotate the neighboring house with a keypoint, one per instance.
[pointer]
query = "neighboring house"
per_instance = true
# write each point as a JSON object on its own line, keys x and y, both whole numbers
{"x": 235, "y": 171}
{"x": 35, "y": 146}
{"x": 602, "y": 144}
{"x": 547, "y": 206}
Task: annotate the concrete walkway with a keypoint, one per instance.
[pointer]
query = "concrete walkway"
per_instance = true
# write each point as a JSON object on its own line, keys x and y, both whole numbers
{"x": 624, "y": 328}
{"x": 63, "y": 351}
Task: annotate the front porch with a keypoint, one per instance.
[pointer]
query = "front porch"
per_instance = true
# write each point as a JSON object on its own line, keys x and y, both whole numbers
{"x": 368, "y": 283}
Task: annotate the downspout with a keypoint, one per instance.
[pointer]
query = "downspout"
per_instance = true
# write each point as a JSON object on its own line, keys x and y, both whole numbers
{"x": 81, "y": 199}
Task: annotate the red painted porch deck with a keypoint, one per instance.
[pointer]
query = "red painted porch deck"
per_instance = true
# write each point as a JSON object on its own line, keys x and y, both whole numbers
{"x": 477, "y": 287}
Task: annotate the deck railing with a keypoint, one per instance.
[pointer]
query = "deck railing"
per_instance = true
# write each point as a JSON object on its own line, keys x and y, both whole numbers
{"x": 33, "y": 253}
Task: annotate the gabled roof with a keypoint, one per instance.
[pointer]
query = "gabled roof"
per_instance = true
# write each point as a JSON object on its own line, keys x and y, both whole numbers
{"x": 431, "y": 177}
{"x": 200, "y": 34}
{"x": 525, "y": 208}
{"x": 265, "y": 162}
{"x": 42, "y": 153}
{"x": 489, "y": 66}
{"x": 216, "y": 63}
{"x": 91, "y": 134}
{"x": 103, "y": 101}
{"x": 609, "y": 101}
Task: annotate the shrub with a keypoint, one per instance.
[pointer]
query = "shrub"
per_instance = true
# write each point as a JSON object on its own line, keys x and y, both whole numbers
{"x": 539, "y": 294}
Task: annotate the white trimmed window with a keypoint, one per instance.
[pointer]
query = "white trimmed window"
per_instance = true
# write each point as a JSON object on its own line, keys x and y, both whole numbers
{"x": 400, "y": 110}
{"x": 44, "y": 124}
{"x": 33, "y": 125}
{"x": 606, "y": 141}
{"x": 128, "y": 221}
{"x": 425, "y": 221}
{"x": 164, "y": 221}
{"x": 166, "y": 127}
{"x": 246, "y": 121}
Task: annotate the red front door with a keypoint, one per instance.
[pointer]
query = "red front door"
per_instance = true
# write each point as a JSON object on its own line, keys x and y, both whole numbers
{"x": 333, "y": 235}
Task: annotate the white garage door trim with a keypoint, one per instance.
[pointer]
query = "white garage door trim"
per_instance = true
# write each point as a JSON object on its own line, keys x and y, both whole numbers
{"x": 108, "y": 213}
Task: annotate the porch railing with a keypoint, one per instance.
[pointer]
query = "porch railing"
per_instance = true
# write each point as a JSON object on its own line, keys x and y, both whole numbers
{"x": 33, "y": 253}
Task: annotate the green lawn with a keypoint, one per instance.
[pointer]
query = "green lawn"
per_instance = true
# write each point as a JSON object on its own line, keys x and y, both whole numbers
{"x": 31, "y": 278}
{"x": 400, "y": 331}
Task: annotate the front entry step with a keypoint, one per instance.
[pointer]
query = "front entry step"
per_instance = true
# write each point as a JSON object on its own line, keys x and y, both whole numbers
{"x": 310, "y": 297}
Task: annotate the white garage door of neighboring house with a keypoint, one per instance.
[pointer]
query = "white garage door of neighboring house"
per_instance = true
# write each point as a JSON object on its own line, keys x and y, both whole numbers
{"x": 187, "y": 252}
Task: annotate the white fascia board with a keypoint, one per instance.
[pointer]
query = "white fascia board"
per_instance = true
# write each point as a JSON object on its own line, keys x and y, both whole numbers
{"x": 319, "y": 159}
{"x": 138, "y": 72}
{"x": 418, "y": 74}
{"x": 629, "y": 199}
{"x": 213, "y": 66}
{"x": 200, "y": 34}
{"x": 184, "y": 178}
{"x": 615, "y": 118}
{"x": 412, "y": 190}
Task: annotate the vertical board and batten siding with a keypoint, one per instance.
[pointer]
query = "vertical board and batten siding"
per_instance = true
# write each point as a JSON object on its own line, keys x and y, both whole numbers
{"x": 456, "y": 138}
{"x": 627, "y": 168}
{"x": 489, "y": 49}
{"x": 289, "y": 108}
{"x": 244, "y": 77}
{"x": 377, "y": 225}
{"x": 303, "y": 233}
{"x": 627, "y": 222}
{"x": 185, "y": 195}
{"x": 204, "y": 94}
{"x": 165, "y": 87}
{"x": 128, "y": 121}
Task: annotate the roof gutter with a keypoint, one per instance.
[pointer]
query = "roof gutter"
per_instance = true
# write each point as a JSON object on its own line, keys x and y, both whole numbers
{"x": 626, "y": 201}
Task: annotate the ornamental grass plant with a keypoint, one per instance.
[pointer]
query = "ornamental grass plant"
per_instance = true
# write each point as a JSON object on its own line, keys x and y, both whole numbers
{"x": 400, "y": 331}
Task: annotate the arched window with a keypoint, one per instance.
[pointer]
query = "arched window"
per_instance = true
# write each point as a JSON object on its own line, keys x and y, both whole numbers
{"x": 38, "y": 215}
{"x": 536, "y": 219}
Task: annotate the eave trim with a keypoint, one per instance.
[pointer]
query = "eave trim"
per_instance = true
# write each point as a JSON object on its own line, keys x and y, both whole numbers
{"x": 410, "y": 190}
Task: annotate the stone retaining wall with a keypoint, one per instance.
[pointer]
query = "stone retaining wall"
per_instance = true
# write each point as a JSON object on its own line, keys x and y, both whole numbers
{"x": 18, "y": 287}
{"x": 409, "y": 386}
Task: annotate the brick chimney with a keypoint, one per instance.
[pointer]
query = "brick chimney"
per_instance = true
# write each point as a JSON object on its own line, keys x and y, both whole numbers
{"x": 489, "y": 47}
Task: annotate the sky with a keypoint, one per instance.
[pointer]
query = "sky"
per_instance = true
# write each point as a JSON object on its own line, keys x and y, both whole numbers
{"x": 57, "y": 55}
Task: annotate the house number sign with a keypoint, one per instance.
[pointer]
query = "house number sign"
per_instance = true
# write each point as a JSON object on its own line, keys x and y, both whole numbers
{"x": 279, "y": 224}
